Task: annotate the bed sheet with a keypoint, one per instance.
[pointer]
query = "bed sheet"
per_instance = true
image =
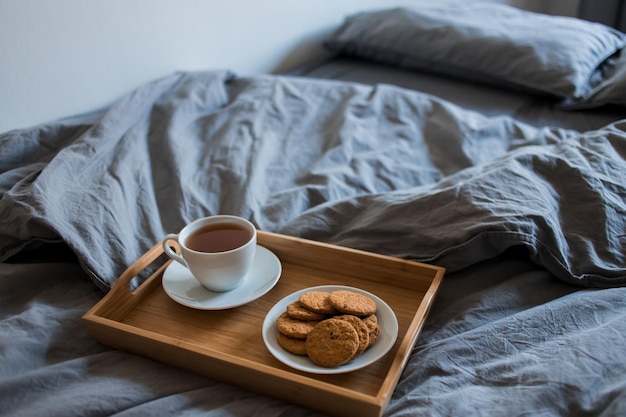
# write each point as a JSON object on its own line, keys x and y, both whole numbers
{"x": 504, "y": 336}
{"x": 487, "y": 99}
{"x": 529, "y": 320}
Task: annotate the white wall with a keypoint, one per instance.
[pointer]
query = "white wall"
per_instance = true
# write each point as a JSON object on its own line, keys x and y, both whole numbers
{"x": 63, "y": 57}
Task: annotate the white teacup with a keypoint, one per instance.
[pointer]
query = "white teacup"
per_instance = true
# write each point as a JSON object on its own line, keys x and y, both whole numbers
{"x": 218, "y": 250}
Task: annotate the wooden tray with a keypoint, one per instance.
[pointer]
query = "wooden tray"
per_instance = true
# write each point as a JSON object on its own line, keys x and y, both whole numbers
{"x": 227, "y": 345}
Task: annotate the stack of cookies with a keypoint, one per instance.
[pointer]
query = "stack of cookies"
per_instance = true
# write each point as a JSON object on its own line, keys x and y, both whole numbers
{"x": 331, "y": 328}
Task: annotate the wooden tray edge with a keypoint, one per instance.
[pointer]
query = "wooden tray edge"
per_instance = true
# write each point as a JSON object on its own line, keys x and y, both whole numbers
{"x": 366, "y": 405}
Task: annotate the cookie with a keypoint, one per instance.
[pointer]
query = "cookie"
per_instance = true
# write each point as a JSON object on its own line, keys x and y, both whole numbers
{"x": 298, "y": 329}
{"x": 374, "y": 329}
{"x": 297, "y": 311}
{"x": 361, "y": 329}
{"x": 292, "y": 344}
{"x": 350, "y": 302}
{"x": 317, "y": 301}
{"x": 332, "y": 342}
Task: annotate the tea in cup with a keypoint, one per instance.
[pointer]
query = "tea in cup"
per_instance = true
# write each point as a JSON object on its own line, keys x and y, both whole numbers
{"x": 217, "y": 250}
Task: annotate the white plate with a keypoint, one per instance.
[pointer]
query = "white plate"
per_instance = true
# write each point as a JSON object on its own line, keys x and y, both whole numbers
{"x": 182, "y": 287}
{"x": 386, "y": 319}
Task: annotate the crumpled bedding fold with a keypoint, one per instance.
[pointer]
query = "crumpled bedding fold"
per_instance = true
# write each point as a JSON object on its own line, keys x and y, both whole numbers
{"x": 378, "y": 168}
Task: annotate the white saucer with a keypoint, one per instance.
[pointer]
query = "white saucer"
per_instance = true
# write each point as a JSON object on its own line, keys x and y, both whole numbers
{"x": 386, "y": 319}
{"x": 182, "y": 287}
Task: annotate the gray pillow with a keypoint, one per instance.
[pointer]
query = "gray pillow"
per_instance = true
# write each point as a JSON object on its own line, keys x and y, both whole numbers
{"x": 486, "y": 42}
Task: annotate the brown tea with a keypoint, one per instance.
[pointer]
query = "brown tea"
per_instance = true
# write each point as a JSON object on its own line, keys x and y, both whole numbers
{"x": 219, "y": 237}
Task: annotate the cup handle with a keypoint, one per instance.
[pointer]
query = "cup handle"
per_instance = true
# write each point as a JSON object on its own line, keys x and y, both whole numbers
{"x": 168, "y": 249}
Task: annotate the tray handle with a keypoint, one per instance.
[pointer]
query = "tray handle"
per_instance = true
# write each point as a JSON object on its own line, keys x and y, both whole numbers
{"x": 124, "y": 284}
{"x": 122, "y": 298}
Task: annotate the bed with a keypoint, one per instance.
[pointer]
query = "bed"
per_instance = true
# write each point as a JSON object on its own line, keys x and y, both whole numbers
{"x": 464, "y": 138}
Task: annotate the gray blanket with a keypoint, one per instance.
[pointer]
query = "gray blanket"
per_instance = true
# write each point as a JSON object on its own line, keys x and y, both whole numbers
{"x": 375, "y": 168}
{"x": 526, "y": 220}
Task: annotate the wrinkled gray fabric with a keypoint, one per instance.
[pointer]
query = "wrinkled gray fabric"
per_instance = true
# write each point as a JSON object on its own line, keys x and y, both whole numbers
{"x": 565, "y": 202}
{"x": 377, "y": 168}
{"x": 507, "y": 207}
{"x": 503, "y": 338}
{"x": 51, "y": 367}
{"x": 611, "y": 89}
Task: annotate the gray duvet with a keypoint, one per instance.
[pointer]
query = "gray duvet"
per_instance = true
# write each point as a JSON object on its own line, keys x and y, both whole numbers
{"x": 530, "y": 223}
